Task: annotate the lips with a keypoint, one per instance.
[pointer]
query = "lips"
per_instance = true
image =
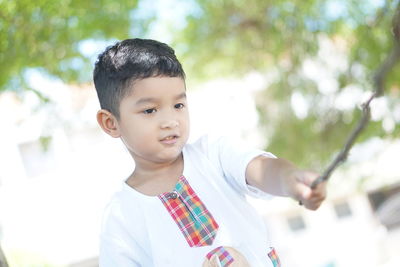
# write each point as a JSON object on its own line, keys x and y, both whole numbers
{"x": 170, "y": 139}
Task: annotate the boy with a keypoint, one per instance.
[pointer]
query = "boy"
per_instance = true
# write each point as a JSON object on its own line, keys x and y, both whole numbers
{"x": 184, "y": 204}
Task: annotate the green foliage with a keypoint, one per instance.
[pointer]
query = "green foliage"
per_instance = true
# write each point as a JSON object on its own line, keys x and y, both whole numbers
{"x": 46, "y": 34}
{"x": 247, "y": 35}
{"x": 228, "y": 37}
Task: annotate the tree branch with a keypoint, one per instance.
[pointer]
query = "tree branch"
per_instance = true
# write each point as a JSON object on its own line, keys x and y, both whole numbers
{"x": 379, "y": 80}
{"x": 3, "y": 261}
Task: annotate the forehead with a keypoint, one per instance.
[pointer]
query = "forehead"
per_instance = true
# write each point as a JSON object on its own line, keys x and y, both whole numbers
{"x": 157, "y": 86}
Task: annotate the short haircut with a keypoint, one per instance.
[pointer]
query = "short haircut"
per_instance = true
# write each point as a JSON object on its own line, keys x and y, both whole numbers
{"x": 120, "y": 65}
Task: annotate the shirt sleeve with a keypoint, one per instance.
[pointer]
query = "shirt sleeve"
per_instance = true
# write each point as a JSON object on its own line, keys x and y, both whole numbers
{"x": 113, "y": 252}
{"x": 117, "y": 245}
{"x": 233, "y": 156}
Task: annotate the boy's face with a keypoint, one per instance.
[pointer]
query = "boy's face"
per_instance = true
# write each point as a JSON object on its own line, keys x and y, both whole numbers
{"x": 154, "y": 119}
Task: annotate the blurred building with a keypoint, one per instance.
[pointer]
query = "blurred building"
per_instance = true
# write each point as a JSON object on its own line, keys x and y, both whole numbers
{"x": 58, "y": 171}
{"x": 353, "y": 230}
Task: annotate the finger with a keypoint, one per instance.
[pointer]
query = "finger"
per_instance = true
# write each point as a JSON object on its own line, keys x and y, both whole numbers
{"x": 307, "y": 177}
{"x": 319, "y": 191}
{"x": 302, "y": 192}
{"x": 311, "y": 205}
{"x": 316, "y": 197}
{"x": 314, "y": 202}
{"x": 215, "y": 261}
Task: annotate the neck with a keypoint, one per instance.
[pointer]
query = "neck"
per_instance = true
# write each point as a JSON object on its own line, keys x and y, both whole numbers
{"x": 155, "y": 179}
{"x": 152, "y": 170}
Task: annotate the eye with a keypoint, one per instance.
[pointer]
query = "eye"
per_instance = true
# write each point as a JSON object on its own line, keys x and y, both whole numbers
{"x": 149, "y": 111}
{"x": 179, "y": 106}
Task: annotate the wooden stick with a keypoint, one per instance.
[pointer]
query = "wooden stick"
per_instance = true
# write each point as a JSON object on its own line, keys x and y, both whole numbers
{"x": 379, "y": 88}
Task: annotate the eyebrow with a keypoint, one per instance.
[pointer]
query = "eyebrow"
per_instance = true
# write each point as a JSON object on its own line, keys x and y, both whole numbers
{"x": 153, "y": 100}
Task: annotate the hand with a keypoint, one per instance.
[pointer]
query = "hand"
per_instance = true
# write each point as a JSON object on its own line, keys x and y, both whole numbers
{"x": 299, "y": 187}
{"x": 239, "y": 259}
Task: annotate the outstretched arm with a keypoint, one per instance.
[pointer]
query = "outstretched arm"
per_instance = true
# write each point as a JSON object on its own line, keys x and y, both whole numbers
{"x": 281, "y": 178}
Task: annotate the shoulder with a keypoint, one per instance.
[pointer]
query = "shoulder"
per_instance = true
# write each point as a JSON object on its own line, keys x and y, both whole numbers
{"x": 222, "y": 146}
{"x": 119, "y": 214}
{"x": 207, "y": 144}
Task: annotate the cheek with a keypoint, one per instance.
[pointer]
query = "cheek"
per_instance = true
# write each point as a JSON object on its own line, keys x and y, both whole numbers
{"x": 137, "y": 133}
{"x": 142, "y": 133}
{"x": 188, "y": 125}
{"x": 186, "y": 119}
{"x": 142, "y": 143}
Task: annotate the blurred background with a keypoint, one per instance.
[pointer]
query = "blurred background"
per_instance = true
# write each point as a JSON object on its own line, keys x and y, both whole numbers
{"x": 285, "y": 76}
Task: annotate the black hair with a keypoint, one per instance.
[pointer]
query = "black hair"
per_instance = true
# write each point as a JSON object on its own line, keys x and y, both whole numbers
{"x": 120, "y": 65}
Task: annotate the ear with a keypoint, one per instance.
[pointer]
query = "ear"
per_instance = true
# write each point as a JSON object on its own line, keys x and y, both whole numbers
{"x": 108, "y": 122}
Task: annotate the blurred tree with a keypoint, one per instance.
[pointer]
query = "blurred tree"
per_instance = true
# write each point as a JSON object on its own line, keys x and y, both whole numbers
{"x": 47, "y": 34}
{"x": 316, "y": 55}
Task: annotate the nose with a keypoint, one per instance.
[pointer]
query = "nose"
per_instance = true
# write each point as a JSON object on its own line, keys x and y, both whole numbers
{"x": 169, "y": 123}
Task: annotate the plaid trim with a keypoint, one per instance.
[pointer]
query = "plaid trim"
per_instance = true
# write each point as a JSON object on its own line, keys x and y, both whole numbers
{"x": 190, "y": 214}
{"x": 274, "y": 258}
{"x": 223, "y": 255}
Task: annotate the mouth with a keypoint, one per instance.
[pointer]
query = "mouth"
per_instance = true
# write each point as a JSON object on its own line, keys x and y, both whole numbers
{"x": 170, "y": 139}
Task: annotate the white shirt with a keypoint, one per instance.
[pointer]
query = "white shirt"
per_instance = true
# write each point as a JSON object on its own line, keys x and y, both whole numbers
{"x": 138, "y": 230}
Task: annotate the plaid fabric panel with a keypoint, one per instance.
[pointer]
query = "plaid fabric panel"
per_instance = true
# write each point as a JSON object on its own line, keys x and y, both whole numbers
{"x": 274, "y": 257}
{"x": 223, "y": 255}
{"x": 190, "y": 214}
